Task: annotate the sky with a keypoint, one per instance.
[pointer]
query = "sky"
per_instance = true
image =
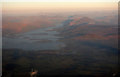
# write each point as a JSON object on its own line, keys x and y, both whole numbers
{"x": 16, "y": 6}
{"x": 60, "y": 0}
{"x": 12, "y": 6}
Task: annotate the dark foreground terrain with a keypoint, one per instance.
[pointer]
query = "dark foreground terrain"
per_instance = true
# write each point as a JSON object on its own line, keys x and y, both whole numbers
{"x": 90, "y": 50}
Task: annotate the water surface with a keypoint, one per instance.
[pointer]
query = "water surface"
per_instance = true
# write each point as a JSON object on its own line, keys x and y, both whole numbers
{"x": 40, "y": 39}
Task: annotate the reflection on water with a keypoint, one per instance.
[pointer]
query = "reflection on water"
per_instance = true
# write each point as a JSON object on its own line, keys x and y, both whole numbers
{"x": 40, "y": 39}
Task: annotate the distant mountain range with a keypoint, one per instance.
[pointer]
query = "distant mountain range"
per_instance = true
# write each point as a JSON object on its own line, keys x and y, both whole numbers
{"x": 74, "y": 26}
{"x": 18, "y": 24}
{"x": 79, "y": 21}
{"x": 85, "y": 28}
{"x": 105, "y": 20}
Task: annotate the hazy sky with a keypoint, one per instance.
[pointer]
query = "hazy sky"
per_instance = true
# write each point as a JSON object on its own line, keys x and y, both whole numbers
{"x": 31, "y": 7}
{"x": 63, "y": 0}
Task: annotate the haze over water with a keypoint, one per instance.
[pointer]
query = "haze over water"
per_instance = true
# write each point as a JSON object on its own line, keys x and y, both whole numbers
{"x": 40, "y": 39}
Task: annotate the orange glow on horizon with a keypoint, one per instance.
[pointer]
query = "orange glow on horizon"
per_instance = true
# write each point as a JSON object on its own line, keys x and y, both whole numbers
{"x": 57, "y": 6}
